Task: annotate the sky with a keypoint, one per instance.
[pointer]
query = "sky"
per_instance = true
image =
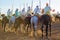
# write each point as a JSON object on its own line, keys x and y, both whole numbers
{"x": 7, "y": 4}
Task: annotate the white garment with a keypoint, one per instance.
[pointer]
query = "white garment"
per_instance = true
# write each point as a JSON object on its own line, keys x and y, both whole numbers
{"x": 9, "y": 13}
{"x": 12, "y": 19}
{"x": 46, "y": 9}
{"x": 36, "y": 10}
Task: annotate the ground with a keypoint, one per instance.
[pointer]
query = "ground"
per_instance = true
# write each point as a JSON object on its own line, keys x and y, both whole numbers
{"x": 22, "y": 36}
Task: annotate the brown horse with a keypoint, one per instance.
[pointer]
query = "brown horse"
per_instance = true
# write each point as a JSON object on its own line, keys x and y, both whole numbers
{"x": 5, "y": 20}
{"x": 45, "y": 20}
{"x": 27, "y": 22}
{"x": 19, "y": 20}
{"x": 57, "y": 17}
{"x": 17, "y": 23}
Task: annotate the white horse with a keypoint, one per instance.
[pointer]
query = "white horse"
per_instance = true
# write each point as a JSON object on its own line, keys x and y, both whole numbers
{"x": 34, "y": 23}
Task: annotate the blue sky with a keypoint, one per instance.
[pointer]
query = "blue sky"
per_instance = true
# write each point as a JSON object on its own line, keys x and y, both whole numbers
{"x": 6, "y": 4}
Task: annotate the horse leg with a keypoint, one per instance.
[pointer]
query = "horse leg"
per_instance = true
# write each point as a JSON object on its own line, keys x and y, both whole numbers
{"x": 47, "y": 31}
{"x": 34, "y": 30}
{"x": 59, "y": 19}
{"x": 27, "y": 28}
{"x": 35, "y": 27}
{"x": 10, "y": 24}
{"x": 50, "y": 28}
{"x": 2, "y": 24}
{"x": 16, "y": 27}
{"x": 4, "y": 27}
{"x": 42, "y": 30}
{"x": 30, "y": 26}
{"x": 55, "y": 18}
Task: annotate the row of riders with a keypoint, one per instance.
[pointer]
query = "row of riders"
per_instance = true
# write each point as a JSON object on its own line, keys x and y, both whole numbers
{"x": 32, "y": 19}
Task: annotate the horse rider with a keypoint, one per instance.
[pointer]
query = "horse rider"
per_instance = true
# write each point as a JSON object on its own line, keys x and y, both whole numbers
{"x": 47, "y": 9}
{"x": 16, "y": 13}
{"x": 28, "y": 11}
{"x": 8, "y": 13}
{"x": 37, "y": 10}
{"x": 13, "y": 18}
{"x": 19, "y": 13}
{"x": 0, "y": 16}
{"x": 23, "y": 12}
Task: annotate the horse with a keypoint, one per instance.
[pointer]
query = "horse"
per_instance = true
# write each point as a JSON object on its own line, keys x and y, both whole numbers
{"x": 34, "y": 23}
{"x": 23, "y": 19}
{"x": 5, "y": 20}
{"x": 17, "y": 23}
{"x": 27, "y": 22}
{"x": 57, "y": 17}
{"x": 45, "y": 20}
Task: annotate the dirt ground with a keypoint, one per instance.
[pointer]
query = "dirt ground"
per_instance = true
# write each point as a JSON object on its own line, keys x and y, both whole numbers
{"x": 23, "y": 36}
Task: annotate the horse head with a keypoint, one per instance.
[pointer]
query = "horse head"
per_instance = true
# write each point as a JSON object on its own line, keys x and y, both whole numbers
{"x": 3, "y": 15}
